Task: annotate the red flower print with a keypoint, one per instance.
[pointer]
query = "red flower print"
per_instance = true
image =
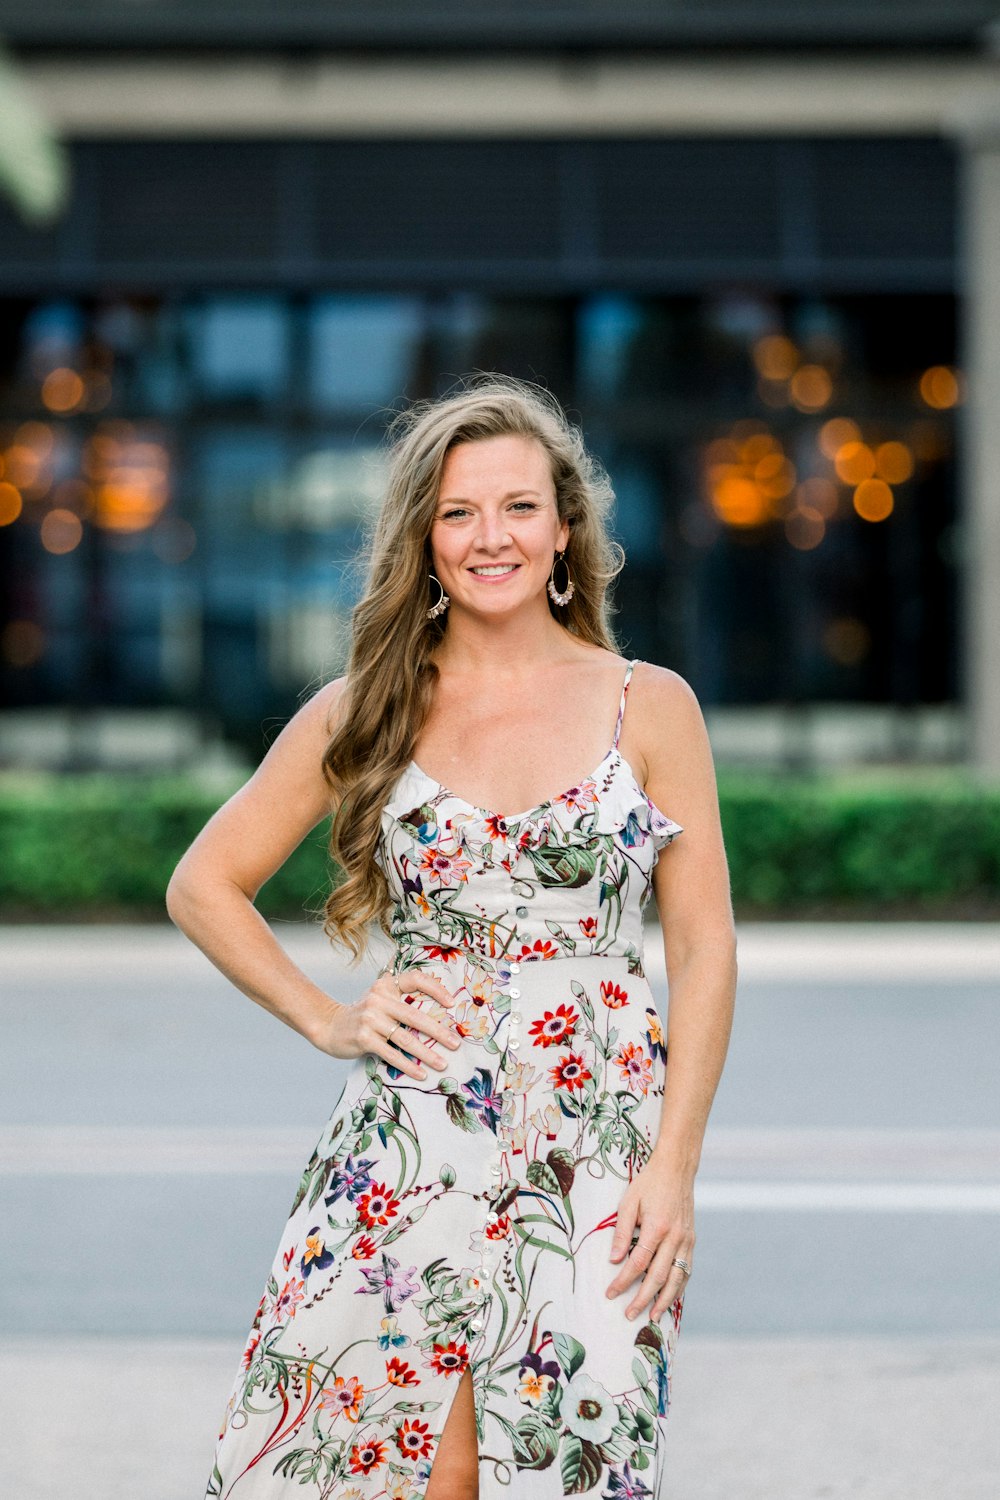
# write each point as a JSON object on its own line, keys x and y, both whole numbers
{"x": 292, "y": 1293}
{"x": 613, "y": 995}
{"x": 413, "y": 1439}
{"x": 637, "y": 1068}
{"x": 496, "y": 828}
{"x": 449, "y": 1359}
{"x": 363, "y": 1248}
{"x": 570, "y": 1072}
{"x": 541, "y": 948}
{"x": 288, "y": 1257}
{"x": 446, "y": 867}
{"x": 588, "y": 926}
{"x": 580, "y": 798}
{"x": 249, "y": 1350}
{"x": 344, "y": 1396}
{"x": 367, "y": 1456}
{"x": 378, "y": 1205}
{"x": 556, "y": 1026}
{"x": 499, "y": 1229}
{"x": 400, "y": 1373}
{"x": 445, "y": 954}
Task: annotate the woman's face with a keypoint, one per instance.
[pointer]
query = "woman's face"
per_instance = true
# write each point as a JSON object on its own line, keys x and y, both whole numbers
{"x": 496, "y": 526}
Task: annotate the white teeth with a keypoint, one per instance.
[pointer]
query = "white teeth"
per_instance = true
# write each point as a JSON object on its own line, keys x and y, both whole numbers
{"x": 495, "y": 571}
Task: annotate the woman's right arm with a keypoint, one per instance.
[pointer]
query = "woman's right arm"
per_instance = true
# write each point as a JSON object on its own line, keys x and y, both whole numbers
{"x": 211, "y": 894}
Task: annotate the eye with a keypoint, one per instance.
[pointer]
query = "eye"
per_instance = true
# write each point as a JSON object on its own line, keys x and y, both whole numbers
{"x": 450, "y": 515}
{"x": 524, "y": 505}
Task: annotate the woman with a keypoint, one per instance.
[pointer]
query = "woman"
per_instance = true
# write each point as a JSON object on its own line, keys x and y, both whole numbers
{"x": 500, "y": 1210}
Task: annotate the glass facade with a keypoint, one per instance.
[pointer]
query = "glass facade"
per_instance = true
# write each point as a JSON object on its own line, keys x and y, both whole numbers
{"x": 185, "y": 478}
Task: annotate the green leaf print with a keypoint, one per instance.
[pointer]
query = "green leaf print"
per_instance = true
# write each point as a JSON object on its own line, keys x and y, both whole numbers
{"x": 569, "y": 1352}
{"x": 447, "y": 1175}
{"x": 567, "y": 868}
{"x": 645, "y": 1423}
{"x": 581, "y": 1465}
{"x": 560, "y": 1159}
{"x": 534, "y": 1441}
{"x": 541, "y": 1175}
{"x": 465, "y": 1119}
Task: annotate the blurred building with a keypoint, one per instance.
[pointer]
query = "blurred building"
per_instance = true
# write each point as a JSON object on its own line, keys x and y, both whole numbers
{"x": 750, "y": 246}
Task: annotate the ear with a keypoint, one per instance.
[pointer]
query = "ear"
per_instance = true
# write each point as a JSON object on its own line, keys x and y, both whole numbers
{"x": 562, "y": 536}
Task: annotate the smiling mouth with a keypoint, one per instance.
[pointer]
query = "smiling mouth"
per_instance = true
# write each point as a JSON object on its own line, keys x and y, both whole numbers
{"x": 495, "y": 570}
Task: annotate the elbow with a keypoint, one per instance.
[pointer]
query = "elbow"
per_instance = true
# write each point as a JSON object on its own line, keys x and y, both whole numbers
{"x": 177, "y": 897}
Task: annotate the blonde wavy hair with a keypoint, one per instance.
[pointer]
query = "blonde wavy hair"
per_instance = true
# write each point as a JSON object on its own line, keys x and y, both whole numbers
{"x": 390, "y": 673}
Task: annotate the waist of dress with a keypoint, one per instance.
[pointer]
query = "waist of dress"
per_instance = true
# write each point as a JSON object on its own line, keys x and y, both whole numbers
{"x": 541, "y": 956}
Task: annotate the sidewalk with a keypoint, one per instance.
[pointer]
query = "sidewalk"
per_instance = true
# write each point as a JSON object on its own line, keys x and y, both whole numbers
{"x": 760, "y": 1419}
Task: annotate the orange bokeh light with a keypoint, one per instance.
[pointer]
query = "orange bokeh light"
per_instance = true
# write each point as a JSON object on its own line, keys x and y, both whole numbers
{"x": 811, "y": 387}
{"x": 61, "y": 531}
{"x": 854, "y": 462}
{"x": 941, "y": 387}
{"x": 775, "y": 356}
{"x": 893, "y": 462}
{"x": 804, "y": 528}
{"x": 22, "y": 465}
{"x": 873, "y": 500}
{"x": 11, "y": 503}
{"x": 819, "y": 494}
{"x": 62, "y": 389}
{"x": 835, "y": 433}
{"x": 738, "y": 501}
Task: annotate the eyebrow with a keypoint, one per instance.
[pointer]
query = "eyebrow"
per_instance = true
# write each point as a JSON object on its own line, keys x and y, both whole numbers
{"x": 510, "y": 495}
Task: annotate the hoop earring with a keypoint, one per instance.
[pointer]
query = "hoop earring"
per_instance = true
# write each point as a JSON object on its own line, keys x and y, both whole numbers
{"x": 442, "y": 604}
{"x": 567, "y": 593}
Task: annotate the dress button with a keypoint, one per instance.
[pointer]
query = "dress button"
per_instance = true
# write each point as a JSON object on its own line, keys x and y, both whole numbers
{"x": 496, "y": 1168}
{"x": 516, "y": 1016}
{"x": 522, "y": 911}
{"x": 513, "y": 1044}
{"x": 515, "y": 968}
{"x": 514, "y": 994}
{"x": 476, "y": 1324}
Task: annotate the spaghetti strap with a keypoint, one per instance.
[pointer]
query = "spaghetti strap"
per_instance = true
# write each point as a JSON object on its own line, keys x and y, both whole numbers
{"x": 621, "y": 705}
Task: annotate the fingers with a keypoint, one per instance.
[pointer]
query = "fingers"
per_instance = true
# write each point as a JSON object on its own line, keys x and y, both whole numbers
{"x": 652, "y": 1259}
{"x": 394, "y": 1023}
{"x": 412, "y": 980}
{"x": 660, "y": 1285}
{"x": 624, "y": 1229}
{"x": 439, "y": 1029}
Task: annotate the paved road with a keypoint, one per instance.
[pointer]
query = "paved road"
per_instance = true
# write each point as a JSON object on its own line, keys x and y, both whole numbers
{"x": 153, "y": 1123}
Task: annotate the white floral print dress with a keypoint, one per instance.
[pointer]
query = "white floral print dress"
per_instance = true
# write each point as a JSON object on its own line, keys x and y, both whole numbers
{"x": 464, "y": 1221}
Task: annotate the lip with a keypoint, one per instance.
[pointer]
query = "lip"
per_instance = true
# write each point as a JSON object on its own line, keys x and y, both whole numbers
{"x": 494, "y": 577}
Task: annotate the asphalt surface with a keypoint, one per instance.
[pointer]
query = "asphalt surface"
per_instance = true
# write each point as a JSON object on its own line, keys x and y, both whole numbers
{"x": 841, "y": 1334}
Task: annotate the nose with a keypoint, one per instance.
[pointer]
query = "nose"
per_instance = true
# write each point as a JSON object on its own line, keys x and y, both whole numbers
{"x": 492, "y": 535}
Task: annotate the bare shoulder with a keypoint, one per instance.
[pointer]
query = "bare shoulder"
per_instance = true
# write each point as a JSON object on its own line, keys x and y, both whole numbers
{"x": 302, "y": 743}
{"x": 323, "y": 709}
{"x": 664, "y": 722}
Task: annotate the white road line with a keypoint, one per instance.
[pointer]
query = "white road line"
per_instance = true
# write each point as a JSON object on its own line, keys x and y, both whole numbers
{"x": 863, "y": 1197}
{"x": 801, "y": 952}
{"x": 742, "y": 1170}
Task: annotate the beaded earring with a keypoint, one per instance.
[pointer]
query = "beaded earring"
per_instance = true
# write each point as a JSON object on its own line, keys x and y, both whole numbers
{"x": 442, "y": 604}
{"x": 567, "y": 593}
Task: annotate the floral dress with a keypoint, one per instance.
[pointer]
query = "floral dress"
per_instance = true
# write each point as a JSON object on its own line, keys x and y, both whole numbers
{"x": 464, "y": 1221}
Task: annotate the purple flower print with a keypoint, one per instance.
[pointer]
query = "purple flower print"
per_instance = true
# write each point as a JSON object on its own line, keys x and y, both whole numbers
{"x": 395, "y": 1285}
{"x": 350, "y": 1177}
{"x": 624, "y": 1485}
{"x": 484, "y": 1098}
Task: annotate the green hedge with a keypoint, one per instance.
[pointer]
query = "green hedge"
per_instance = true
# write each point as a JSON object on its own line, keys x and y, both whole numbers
{"x": 906, "y": 844}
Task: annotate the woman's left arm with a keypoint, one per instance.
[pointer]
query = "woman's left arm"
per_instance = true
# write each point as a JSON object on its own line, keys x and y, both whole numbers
{"x": 673, "y": 756}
